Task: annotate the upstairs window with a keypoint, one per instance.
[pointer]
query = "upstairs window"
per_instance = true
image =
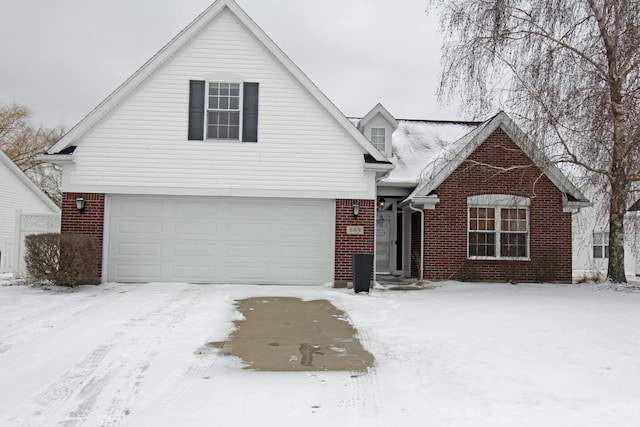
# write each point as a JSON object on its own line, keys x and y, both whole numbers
{"x": 601, "y": 245}
{"x": 223, "y": 111}
{"x": 498, "y": 227}
{"x": 378, "y": 138}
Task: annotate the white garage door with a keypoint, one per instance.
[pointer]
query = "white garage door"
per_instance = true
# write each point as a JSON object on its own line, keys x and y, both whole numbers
{"x": 213, "y": 240}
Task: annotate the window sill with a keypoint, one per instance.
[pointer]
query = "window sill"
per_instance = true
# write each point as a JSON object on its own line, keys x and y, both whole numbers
{"x": 488, "y": 258}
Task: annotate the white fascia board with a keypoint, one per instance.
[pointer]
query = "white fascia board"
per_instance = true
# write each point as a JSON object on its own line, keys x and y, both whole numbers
{"x": 58, "y": 159}
{"x": 424, "y": 202}
{"x": 368, "y": 193}
{"x": 378, "y": 167}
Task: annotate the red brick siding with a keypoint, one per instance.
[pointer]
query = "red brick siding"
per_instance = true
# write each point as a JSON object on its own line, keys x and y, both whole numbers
{"x": 91, "y": 221}
{"x": 349, "y": 244}
{"x": 446, "y": 226}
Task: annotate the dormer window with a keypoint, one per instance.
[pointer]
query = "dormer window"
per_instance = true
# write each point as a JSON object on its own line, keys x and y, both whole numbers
{"x": 378, "y": 138}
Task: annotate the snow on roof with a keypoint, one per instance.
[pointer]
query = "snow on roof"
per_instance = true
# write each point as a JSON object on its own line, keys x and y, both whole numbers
{"x": 418, "y": 143}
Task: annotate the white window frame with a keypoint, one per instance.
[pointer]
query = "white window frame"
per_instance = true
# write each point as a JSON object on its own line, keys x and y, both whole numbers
{"x": 379, "y": 140}
{"x": 603, "y": 244}
{"x": 208, "y": 109}
{"x": 497, "y": 202}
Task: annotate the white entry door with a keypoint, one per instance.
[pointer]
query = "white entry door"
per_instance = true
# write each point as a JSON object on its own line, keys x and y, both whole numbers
{"x": 213, "y": 240}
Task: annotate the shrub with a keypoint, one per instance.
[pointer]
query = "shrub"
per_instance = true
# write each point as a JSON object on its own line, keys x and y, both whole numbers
{"x": 63, "y": 259}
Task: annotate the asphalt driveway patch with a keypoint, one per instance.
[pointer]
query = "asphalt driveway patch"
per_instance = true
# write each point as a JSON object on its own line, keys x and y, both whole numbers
{"x": 289, "y": 334}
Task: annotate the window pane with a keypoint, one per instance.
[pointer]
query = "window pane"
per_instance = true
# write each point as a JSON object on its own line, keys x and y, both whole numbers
{"x": 597, "y": 251}
{"x": 513, "y": 245}
{"x": 233, "y": 132}
{"x": 482, "y": 244}
{"x": 212, "y": 131}
{"x": 213, "y": 102}
{"x": 234, "y": 103}
{"x": 224, "y": 103}
{"x": 234, "y": 119}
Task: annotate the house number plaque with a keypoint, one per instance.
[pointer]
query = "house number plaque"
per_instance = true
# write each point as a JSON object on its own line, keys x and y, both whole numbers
{"x": 355, "y": 229}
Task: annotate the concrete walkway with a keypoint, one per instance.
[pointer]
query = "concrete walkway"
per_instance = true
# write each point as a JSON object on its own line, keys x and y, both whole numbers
{"x": 288, "y": 334}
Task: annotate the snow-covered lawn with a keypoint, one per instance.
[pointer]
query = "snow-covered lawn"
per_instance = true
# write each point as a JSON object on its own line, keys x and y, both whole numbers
{"x": 457, "y": 355}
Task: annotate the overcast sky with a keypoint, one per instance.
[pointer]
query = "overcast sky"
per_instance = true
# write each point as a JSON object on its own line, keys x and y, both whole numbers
{"x": 61, "y": 58}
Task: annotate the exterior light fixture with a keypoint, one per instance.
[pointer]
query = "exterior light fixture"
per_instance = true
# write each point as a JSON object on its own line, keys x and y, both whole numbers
{"x": 80, "y": 204}
{"x": 356, "y": 210}
{"x": 381, "y": 203}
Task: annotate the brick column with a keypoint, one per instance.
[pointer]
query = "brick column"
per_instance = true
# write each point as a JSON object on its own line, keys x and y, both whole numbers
{"x": 349, "y": 244}
{"x": 90, "y": 222}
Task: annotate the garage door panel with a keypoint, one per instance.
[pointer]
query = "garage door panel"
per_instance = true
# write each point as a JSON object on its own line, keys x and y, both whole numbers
{"x": 254, "y": 229}
{"x": 247, "y": 210}
{"x": 140, "y": 272}
{"x": 215, "y": 240}
{"x": 301, "y": 252}
{"x": 195, "y": 273}
{"x": 135, "y": 248}
{"x": 254, "y": 251}
{"x": 193, "y": 249}
{"x": 252, "y": 273}
{"x": 196, "y": 209}
{"x": 138, "y": 227}
{"x": 196, "y": 228}
{"x": 308, "y": 231}
{"x": 139, "y": 208}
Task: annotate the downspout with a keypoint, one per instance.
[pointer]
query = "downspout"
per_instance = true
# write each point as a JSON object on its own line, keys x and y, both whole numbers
{"x": 421, "y": 269}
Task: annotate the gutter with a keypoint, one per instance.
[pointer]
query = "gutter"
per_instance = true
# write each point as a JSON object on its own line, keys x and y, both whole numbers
{"x": 421, "y": 268}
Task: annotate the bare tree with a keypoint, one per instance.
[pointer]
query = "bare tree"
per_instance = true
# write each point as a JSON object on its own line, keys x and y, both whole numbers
{"x": 567, "y": 71}
{"x": 23, "y": 144}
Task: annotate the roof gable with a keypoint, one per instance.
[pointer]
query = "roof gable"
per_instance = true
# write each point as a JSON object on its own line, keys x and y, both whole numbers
{"x": 383, "y": 112}
{"x": 438, "y": 171}
{"x": 178, "y": 42}
{"x": 6, "y": 162}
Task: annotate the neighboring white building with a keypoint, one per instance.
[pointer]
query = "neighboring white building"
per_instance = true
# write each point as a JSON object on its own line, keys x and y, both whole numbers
{"x": 591, "y": 237}
{"x": 19, "y": 196}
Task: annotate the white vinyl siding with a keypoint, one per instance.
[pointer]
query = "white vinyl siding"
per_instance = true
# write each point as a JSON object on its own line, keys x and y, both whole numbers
{"x": 16, "y": 195}
{"x": 220, "y": 240}
{"x": 142, "y": 145}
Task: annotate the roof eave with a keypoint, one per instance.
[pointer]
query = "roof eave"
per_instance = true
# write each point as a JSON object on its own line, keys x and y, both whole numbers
{"x": 58, "y": 159}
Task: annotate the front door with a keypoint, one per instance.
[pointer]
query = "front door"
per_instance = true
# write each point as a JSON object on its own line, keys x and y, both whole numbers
{"x": 383, "y": 242}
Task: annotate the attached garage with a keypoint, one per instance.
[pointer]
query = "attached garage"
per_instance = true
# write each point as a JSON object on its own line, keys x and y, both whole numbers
{"x": 217, "y": 240}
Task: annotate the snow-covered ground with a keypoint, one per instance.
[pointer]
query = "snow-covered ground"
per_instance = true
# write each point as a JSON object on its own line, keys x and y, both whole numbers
{"x": 457, "y": 355}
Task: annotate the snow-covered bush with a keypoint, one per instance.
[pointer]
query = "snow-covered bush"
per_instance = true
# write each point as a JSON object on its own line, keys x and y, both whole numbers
{"x": 63, "y": 259}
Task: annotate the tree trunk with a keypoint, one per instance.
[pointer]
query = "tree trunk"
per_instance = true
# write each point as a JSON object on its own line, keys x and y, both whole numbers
{"x": 617, "y": 211}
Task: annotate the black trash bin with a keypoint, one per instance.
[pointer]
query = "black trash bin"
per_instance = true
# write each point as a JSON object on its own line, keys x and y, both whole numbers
{"x": 362, "y": 267}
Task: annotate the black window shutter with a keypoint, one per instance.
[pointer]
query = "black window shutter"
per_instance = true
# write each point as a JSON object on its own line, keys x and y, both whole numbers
{"x": 250, "y": 113}
{"x": 196, "y": 110}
